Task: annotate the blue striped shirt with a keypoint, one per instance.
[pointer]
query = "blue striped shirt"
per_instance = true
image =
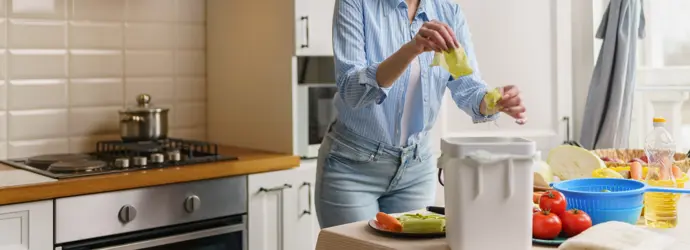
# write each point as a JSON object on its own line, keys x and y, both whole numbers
{"x": 366, "y": 32}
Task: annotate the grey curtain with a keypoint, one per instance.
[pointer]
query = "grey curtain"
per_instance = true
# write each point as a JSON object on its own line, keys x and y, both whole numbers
{"x": 606, "y": 122}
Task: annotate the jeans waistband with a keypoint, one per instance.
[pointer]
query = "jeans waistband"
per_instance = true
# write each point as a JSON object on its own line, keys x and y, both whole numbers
{"x": 345, "y": 135}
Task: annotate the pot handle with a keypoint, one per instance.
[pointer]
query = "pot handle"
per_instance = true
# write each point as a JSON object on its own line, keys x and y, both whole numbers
{"x": 132, "y": 118}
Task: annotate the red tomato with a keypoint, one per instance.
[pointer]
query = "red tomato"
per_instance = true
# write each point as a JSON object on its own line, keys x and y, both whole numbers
{"x": 545, "y": 225}
{"x": 575, "y": 222}
{"x": 553, "y": 201}
{"x": 644, "y": 159}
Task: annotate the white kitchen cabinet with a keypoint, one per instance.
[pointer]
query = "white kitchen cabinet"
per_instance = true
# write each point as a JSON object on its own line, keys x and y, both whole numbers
{"x": 313, "y": 27}
{"x": 304, "y": 226}
{"x": 27, "y": 226}
{"x": 281, "y": 210}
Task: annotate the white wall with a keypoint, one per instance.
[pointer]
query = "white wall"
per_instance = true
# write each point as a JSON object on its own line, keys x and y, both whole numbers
{"x": 67, "y": 66}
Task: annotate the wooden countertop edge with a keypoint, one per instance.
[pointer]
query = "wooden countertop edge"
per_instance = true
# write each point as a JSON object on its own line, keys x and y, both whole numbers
{"x": 146, "y": 178}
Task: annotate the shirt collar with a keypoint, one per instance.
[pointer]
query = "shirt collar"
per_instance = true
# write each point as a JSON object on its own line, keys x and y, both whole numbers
{"x": 421, "y": 10}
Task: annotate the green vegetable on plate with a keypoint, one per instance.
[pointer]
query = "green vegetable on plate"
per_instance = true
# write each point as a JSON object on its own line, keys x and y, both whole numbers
{"x": 418, "y": 223}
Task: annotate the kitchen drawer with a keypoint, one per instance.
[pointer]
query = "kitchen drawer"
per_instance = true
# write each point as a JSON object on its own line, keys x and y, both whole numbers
{"x": 95, "y": 215}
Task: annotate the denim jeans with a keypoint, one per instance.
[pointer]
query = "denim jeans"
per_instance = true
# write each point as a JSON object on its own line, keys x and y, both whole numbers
{"x": 358, "y": 177}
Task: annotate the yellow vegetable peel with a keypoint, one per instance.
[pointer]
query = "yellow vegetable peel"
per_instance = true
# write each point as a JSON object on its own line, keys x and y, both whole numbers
{"x": 454, "y": 61}
{"x": 491, "y": 100}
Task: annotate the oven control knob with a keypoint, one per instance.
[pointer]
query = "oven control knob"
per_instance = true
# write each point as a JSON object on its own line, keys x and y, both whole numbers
{"x": 157, "y": 158}
{"x": 122, "y": 162}
{"x": 174, "y": 156}
{"x": 127, "y": 213}
{"x": 192, "y": 203}
{"x": 139, "y": 161}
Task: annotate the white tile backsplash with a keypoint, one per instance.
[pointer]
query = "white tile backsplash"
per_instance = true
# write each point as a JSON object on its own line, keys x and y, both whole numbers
{"x": 68, "y": 66}
{"x": 96, "y": 92}
{"x": 37, "y": 94}
{"x": 39, "y": 9}
{"x": 151, "y": 10}
{"x": 37, "y": 34}
{"x": 98, "y": 10}
{"x": 149, "y": 63}
{"x": 37, "y": 64}
{"x": 88, "y": 35}
{"x": 150, "y": 36}
{"x": 96, "y": 64}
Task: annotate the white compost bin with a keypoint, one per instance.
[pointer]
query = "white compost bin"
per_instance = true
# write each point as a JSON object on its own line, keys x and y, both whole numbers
{"x": 488, "y": 192}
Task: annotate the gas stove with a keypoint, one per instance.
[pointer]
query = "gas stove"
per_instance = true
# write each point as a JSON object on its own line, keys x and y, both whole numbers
{"x": 118, "y": 156}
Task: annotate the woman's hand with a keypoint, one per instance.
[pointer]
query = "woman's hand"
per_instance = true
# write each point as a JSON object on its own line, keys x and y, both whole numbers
{"x": 511, "y": 103}
{"x": 434, "y": 36}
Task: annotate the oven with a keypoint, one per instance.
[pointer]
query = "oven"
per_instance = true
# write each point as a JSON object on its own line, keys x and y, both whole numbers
{"x": 200, "y": 215}
{"x": 314, "y": 100}
{"x": 218, "y": 234}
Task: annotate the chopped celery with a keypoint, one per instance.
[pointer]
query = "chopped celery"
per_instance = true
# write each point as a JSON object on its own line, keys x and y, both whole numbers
{"x": 417, "y": 223}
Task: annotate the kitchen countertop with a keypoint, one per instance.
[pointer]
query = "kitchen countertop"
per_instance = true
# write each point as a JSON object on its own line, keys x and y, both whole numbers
{"x": 359, "y": 235}
{"x": 17, "y": 186}
{"x": 10, "y": 176}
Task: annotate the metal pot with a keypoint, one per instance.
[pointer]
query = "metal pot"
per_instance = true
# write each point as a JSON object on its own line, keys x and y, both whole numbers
{"x": 144, "y": 122}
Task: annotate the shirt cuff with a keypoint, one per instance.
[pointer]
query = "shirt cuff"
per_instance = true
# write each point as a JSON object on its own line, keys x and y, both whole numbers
{"x": 368, "y": 78}
{"x": 477, "y": 100}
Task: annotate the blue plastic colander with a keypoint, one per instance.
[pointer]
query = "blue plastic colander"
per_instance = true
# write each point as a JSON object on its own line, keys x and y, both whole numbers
{"x": 624, "y": 200}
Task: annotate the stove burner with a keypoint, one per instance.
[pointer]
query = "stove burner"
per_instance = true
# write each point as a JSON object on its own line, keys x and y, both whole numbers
{"x": 116, "y": 156}
{"x": 46, "y": 160}
{"x": 76, "y": 166}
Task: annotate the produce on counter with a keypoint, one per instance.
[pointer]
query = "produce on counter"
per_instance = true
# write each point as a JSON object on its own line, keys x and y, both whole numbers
{"x": 553, "y": 201}
{"x": 575, "y": 222}
{"x": 418, "y": 223}
{"x": 677, "y": 173}
{"x": 636, "y": 170}
{"x": 609, "y": 159}
{"x": 610, "y": 173}
{"x": 388, "y": 222}
{"x": 412, "y": 223}
{"x": 546, "y": 225}
{"x": 640, "y": 160}
{"x": 536, "y": 196}
{"x": 543, "y": 170}
{"x": 570, "y": 162}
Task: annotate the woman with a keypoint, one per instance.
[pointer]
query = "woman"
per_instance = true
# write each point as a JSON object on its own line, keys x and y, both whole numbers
{"x": 376, "y": 155}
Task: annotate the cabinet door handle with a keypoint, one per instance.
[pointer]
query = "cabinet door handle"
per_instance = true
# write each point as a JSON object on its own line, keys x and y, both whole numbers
{"x": 273, "y": 189}
{"x": 309, "y": 197}
{"x": 306, "y": 31}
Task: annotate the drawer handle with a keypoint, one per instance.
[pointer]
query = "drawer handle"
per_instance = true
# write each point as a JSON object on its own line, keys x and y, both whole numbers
{"x": 306, "y": 32}
{"x": 279, "y": 188}
{"x": 309, "y": 199}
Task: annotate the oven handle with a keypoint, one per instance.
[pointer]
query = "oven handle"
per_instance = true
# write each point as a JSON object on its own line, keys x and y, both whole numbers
{"x": 178, "y": 238}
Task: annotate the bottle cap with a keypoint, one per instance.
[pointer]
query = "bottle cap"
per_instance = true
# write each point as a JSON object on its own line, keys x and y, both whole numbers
{"x": 659, "y": 120}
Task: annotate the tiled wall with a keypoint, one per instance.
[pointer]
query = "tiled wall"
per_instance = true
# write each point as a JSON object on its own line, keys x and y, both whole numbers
{"x": 67, "y": 66}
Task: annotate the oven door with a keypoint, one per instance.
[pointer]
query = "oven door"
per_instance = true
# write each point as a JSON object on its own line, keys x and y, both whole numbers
{"x": 217, "y": 234}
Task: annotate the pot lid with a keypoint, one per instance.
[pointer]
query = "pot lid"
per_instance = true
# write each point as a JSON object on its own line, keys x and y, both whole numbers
{"x": 144, "y": 105}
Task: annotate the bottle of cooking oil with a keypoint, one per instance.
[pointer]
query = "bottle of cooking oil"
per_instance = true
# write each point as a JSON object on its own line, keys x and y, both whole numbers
{"x": 660, "y": 209}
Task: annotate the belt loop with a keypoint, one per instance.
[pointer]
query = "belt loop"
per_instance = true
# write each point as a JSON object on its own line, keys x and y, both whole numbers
{"x": 379, "y": 151}
{"x": 416, "y": 152}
